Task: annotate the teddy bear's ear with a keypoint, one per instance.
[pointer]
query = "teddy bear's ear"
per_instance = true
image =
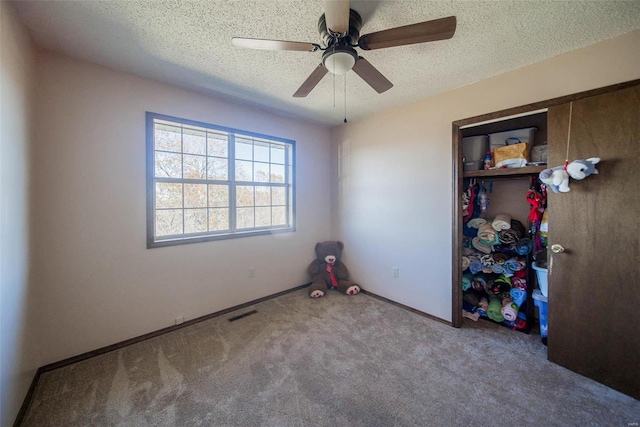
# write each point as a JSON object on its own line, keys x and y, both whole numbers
{"x": 594, "y": 160}
{"x": 340, "y": 245}
{"x": 317, "y": 245}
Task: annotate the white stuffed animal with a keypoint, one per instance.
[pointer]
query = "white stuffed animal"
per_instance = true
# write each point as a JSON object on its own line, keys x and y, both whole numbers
{"x": 558, "y": 178}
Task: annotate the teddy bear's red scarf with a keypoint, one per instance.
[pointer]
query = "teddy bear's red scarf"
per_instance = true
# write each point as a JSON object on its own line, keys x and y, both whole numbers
{"x": 334, "y": 281}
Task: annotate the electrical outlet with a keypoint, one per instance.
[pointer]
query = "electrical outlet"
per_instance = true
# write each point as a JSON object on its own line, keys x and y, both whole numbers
{"x": 395, "y": 272}
{"x": 179, "y": 320}
{"x": 252, "y": 272}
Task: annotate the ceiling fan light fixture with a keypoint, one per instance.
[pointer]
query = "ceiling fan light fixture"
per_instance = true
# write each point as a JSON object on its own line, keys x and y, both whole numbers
{"x": 339, "y": 59}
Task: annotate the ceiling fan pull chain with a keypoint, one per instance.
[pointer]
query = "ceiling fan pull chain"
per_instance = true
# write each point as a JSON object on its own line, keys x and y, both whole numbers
{"x": 345, "y": 98}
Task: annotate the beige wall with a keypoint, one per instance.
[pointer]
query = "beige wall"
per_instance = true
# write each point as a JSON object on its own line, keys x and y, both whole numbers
{"x": 392, "y": 186}
{"x": 99, "y": 282}
{"x": 18, "y": 348}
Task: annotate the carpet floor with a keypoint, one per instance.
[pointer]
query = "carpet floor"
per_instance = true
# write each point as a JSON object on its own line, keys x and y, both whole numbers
{"x": 336, "y": 361}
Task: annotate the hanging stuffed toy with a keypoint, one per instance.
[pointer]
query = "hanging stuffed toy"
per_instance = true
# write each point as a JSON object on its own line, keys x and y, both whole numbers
{"x": 558, "y": 178}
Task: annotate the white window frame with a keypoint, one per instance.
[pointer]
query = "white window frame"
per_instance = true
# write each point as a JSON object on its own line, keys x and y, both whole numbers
{"x": 154, "y": 241}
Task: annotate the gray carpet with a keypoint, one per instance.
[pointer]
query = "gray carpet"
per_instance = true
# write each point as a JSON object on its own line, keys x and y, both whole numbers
{"x": 336, "y": 361}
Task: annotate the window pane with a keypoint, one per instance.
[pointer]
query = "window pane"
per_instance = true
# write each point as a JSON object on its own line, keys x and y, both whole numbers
{"x": 244, "y": 218}
{"x": 278, "y": 196}
{"x": 263, "y": 196}
{"x": 261, "y": 172}
{"x": 168, "y": 165}
{"x": 278, "y": 216}
{"x": 261, "y": 151}
{"x": 168, "y": 222}
{"x": 217, "y": 168}
{"x": 218, "y": 196}
{"x": 244, "y": 149}
{"x": 244, "y": 195}
{"x": 195, "y": 167}
{"x": 168, "y": 138}
{"x": 195, "y": 196}
{"x": 277, "y": 173}
{"x": 263, "y": 217}
{"x": 195, "y": 220}
{"x": 168, "y": 195}
{"x": 244, "y": 171}
{"x": 218, "y": 219}
{"x": 217, "y": 145}
{"x": 194, "y": 141}
{"x": 277, "y": 153}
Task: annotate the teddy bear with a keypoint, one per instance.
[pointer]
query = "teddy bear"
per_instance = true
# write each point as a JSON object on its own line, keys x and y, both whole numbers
{"x": 558, "y": 178}
{"x": 328, "y": 271}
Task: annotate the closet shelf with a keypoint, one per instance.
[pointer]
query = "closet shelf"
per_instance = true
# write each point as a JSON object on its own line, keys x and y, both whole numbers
{"x": 527, "y": 170}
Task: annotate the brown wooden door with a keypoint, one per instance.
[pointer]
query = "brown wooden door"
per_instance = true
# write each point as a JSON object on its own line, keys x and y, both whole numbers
{"x": 594, "y": 286}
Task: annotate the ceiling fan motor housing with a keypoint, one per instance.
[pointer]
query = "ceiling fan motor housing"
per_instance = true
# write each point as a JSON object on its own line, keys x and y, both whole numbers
{"x": 329, "y": 38}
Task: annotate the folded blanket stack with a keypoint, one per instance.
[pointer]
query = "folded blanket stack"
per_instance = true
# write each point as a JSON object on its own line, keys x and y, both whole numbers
{"x": 509, "y": 310}
{"x": 501, "y": 222}
{"x": 466, "y": 282}
{"x": 514, "y": 264}
{"x": 524, "y": 246}
{"x": 477, "y": 222}
{"x": 480, "y": 246}
{"x": 488, "y": 235}
{"x": 508, "y": 237}
{"x": 495, "y": 309}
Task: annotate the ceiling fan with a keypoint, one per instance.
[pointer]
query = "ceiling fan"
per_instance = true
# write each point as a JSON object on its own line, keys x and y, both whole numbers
{"x": 339, "y": 29}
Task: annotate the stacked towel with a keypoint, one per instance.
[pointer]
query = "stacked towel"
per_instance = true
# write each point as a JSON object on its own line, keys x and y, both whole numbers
{"x": 488, "y": 235}
{"x": 483, "y": 306}
{"x": 519, "y": 283}
{"x": 477, "y": 222}
{"x": 501, "y": 285}
{"x": 465, "y": 263}
{"x": 479, "y": 282}
{"x": 473, "y": 316}
{"x": 518, "y": 228}
{"x": 479, "y": 245}
{"x": 497, "y": 268}
{"x": 466, "y": 282}
{"x": 495, "y": 309}
{"x": 514, "y": 264}
{"x": 519, "y": 296}
{"x": 524, "y": 246}
{"x": 509, "y": 310}
{"x": 487, "y": 263}
{"x": 500, "y": 258}
{"x": 475, "y": 266}
{"x": 505, "y": 248}
{"x": 507, "y": 237}
{"x": 501, "y": 222}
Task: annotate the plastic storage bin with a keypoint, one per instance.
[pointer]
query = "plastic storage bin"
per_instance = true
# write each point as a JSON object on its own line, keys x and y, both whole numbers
{"x": 543, "y": 277}
{"x": 473, "y": 150}
{"x": 510, "y": 137}
{"x": 543, "y": 310}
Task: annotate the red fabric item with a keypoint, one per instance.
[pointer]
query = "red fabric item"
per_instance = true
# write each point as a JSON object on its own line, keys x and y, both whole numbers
{"x": 334, "y": 281}
{"x": 535, "y": 200}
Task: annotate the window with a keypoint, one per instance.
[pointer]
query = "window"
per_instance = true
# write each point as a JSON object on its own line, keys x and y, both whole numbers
{"x": 206, "y": 182}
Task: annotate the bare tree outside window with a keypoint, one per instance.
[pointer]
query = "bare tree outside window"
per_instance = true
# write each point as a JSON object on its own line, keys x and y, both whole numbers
{"x": 207, "y": 182}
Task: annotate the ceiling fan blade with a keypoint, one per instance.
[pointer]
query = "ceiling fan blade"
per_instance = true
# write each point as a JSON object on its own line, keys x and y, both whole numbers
{"x": 336, "y": 14}
{"x": 438, "y": 29}
{"x": 265, "y": 44}
{"x": 311, "y": 82}
{"x": 371, "y": 75}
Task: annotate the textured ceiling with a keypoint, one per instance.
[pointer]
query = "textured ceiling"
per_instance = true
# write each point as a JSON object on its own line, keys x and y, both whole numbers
{"x": 188, "y": 44}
